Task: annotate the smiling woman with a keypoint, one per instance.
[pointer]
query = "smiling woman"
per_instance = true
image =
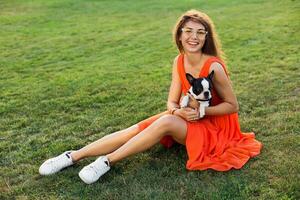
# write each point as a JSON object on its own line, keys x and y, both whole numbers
{"x": 213, "y": 142}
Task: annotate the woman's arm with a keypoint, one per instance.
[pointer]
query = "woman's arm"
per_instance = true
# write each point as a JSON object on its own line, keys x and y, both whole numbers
{"x": 175, "y": 89}
{"x": 188, "y": 114}
{"x": 223, "y": 87}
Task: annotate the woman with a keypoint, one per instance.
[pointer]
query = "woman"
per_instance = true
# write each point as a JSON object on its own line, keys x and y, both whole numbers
{"x": 214, "y": 141}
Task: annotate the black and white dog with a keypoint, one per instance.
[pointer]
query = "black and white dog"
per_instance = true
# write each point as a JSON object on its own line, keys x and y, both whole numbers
{"x": 201, "y": 90}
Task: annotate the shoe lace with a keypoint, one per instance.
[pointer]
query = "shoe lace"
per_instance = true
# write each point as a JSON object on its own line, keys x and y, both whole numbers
{"x": 96, "y": 169}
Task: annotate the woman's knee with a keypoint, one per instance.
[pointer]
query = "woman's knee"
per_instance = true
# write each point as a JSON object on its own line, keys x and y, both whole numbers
{"x": 169, "y": 122}
{"x": 174, "y": 126}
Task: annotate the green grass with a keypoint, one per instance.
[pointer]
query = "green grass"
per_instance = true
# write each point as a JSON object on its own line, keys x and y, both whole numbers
{"x": 72, "y": 71}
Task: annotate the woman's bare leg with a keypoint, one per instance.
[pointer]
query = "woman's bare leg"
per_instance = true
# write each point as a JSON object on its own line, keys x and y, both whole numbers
{"x": 166, "y": 125}
{"x": 106, "y": 144}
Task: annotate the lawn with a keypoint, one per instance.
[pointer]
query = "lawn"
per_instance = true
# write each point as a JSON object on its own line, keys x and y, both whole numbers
{"x": 72, "y": 71}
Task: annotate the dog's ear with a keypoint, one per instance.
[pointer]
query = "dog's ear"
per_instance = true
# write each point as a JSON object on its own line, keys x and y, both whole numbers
{"x": 211, "y": 75}
{"x": 190, "y": 78}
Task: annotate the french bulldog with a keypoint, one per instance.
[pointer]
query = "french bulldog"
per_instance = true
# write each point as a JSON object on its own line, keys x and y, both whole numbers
{"x": 200, "y": 90}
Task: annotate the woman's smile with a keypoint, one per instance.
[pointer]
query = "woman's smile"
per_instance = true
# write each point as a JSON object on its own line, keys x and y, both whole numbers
{"x": 192, "y": 46}
{"x": 193, "y": 43}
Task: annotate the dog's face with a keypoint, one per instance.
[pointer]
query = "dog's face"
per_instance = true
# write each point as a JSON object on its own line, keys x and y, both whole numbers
{"x": 200, "y": 87}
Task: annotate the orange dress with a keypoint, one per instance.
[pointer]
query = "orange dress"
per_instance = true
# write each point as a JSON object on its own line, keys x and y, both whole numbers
{"x": 214, "y": 142}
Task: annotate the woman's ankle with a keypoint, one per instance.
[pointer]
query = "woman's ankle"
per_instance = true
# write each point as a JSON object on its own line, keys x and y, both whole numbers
{"x": 75, "y": 156}
{"x": 111, "y": 159}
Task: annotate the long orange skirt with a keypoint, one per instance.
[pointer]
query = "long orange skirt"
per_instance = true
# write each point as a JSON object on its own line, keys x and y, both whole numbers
{"x": 214, "y": 142}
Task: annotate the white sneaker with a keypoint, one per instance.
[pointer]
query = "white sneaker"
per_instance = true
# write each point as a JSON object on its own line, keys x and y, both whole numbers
{"x": 92, "y": 172}
{"x": 56, "y": 164}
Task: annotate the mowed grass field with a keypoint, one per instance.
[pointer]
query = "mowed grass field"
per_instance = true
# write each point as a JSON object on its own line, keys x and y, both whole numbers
{"x": 72, "y": 71}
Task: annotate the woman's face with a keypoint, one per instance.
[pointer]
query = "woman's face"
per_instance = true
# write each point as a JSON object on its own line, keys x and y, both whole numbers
{"x": 193, "y": 37}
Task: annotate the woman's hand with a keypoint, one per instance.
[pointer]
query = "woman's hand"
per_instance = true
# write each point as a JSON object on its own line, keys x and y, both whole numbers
{"x": 189, "y": 114}
{"x": 193, "y": 103}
